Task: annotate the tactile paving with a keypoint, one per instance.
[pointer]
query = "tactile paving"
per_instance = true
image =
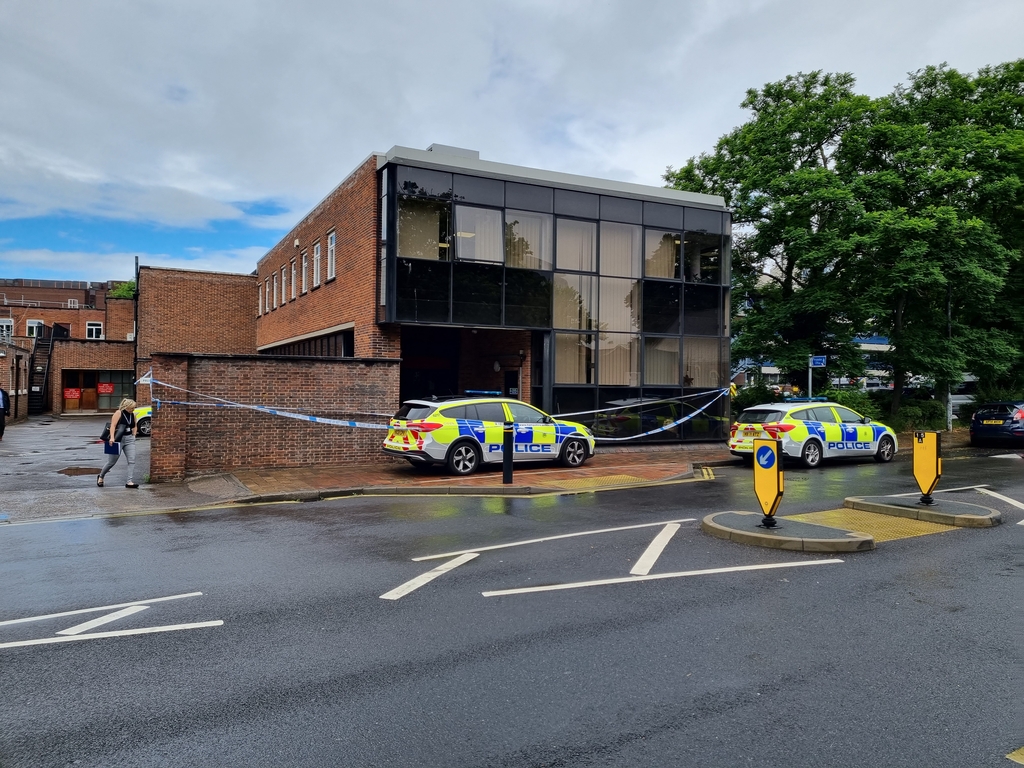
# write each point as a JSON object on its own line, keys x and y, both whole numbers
{"x": 594, "y": 482}
{"x": 881, "y": 527}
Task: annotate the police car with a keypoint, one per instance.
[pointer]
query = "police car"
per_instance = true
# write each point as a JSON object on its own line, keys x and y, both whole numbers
{"x": 465, "y": 433}
{"x": 144, "y": 419}
{"x": 811, "y": 431}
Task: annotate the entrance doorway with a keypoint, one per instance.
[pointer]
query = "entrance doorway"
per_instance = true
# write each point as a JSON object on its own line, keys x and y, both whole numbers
{"x": 512, "y": 384}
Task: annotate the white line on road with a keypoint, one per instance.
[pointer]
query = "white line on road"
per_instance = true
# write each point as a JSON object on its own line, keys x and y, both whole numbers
{"x": 653, "y": 552}
{"x": 93, "y": 623}
{"x": 1007, "y": 499}
{"x": 551, "y": 538}
{"x": 96, "y": 610}
{"x": 120, "y": 633}
{"x": 427, "y": 577}
{"x": 630, "y": 579}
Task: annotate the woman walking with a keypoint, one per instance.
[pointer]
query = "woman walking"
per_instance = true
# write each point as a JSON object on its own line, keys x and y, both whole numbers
{"x": 122, "y": 430}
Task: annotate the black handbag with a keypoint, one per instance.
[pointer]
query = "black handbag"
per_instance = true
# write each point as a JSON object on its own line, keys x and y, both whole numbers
{"x": 119, "y": 432}
{"x": 105, "y": 435}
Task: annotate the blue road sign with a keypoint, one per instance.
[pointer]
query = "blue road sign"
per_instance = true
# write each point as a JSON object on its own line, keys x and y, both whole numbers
{"x": 765, "y": 457}
{"x": 818, "y": 361}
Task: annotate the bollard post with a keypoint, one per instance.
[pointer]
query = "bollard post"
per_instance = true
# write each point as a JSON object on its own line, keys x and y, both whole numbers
{"x": 507, "y": 449}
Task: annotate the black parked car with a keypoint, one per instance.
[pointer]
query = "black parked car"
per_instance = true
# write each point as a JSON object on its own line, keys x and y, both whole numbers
{"x": 998, "y": 422}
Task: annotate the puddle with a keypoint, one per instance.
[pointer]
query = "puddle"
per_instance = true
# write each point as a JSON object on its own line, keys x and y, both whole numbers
{"x": 79, "y": 471}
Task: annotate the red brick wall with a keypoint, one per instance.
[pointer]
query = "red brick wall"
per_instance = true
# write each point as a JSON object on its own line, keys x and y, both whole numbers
{"x": 72, "y": 354}
{"x": 195, "y": 440}
{"x": 120, "y": 323}
{"x": 91, "y": 296}
{"x": 14, "y": 370}
{"x": 76, "y": 318}
{"x": 195, "y": 312}
{"x": 351, "y": 211}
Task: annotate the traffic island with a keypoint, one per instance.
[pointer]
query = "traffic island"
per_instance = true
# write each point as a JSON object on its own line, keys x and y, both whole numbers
{"x": 943, "y": 511}
{"x": 791, "y": 535}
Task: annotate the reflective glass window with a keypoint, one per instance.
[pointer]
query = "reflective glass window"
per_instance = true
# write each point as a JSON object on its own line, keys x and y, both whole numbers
{"x": 661, "y": 303}
{"x": 529, "y": 197}
{"x": 701, "y": 220}
{"x": 846, "y": 416}
{"x": 619, "y": 304}
{"x": 476, "y": 294}
{"x": 527, "y": 298}
{"x": 661, "y": 360}
{"x": 701, "y": 310}
{"x": 824, "y": 415}
{"x": 661, "y": 253}
{"x": 618, "y": 359}
{"x": 620, "y": 249}
{"x": 490, "y": 412}
{"x": 474, "y": 189}
{"x": 702, "y": 257}
{"x": 726, "y": 313}
{"x": 574, "y": 358}
{"x": 574, "y": 301}
{"x": 422, "y": 182}
{"x": 712, "y": 423}
{"x": 478, "y": 234}
{"x": 581, "y": 204}
{"x": 422, "y": 290}
{"x": 663, "y": 215}
{"x": 576, "y": 245}
{"x": 621, "y": 209}
{"x": 525, "y": 414}
{"x": 528, "y": 239}
{"x": 456, "y": 412}
{"x": 422, "y": 230}
{"x": 701, "y": 362}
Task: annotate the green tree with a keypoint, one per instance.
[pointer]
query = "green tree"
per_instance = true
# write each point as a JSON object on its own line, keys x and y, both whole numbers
{"x": 125, "y": 290}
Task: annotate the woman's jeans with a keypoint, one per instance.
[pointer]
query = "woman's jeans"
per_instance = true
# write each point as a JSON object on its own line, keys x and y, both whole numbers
{"x": 128, "y": 449}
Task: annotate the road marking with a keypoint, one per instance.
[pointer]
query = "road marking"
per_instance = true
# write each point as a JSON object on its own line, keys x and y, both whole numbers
{"x": 943, "y": 490}
{"x": 1007, "y": 499}
{"x": 653, "y": 552}
{"x": 708, "y": 473}
{"x": 630, "y": 579}
{"x": 1017, "y": 756}
{"x": 97, "y": 610}
{"x": 427, "y": 577}
{"x": 550, "y": 538}
{"x": 93, "y": 623}
{"x": 120, "y": 633}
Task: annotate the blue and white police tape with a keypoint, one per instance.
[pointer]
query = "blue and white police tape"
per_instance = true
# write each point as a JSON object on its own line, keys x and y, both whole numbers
{"x": 665, "y": 427}
{"x": 640, "y": 402}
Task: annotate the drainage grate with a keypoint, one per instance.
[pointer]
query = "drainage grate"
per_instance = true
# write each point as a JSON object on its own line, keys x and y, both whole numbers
{"x": 881, "y": 527}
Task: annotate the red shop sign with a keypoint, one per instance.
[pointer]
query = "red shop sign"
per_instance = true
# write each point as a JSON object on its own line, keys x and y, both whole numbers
{"x": 105, "y": 388}
{"x": 72, "y": 394}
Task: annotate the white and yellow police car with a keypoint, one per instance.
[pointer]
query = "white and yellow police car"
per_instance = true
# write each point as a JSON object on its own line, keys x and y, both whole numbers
{"x": 144, "y": 419}
{"x": 467, "y": 432}
{"x": 811, "y": 431}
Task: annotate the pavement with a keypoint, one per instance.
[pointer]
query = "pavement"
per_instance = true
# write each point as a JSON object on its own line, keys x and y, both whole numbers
{"x": 48, "y": 468}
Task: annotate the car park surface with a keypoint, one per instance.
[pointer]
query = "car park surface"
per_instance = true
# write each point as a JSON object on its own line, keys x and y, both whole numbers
{"x": 811, "y": 431}
{"x": 466, "y": 432}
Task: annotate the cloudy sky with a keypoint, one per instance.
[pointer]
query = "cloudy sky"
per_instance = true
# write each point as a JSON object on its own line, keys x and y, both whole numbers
{"x": 195, "y": 133}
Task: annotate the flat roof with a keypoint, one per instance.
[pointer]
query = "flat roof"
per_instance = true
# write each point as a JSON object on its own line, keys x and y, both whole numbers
{"x": 438, "y": 160}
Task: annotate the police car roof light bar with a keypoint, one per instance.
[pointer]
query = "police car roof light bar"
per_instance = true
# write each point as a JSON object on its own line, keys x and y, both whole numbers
{"x": 805, "y": 399}
{"x": 484, "y": 392}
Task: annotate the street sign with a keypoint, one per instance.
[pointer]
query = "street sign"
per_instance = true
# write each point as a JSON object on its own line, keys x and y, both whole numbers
{"x": 817, "y": 361}
{"x": 768, "y": 476}
{"x": 927, "y": 463}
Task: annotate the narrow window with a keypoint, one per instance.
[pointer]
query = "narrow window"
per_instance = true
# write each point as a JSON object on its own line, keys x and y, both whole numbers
{"x": 275, "y": 290}
{"x": 266, "y": 287}
{"x": 284, "y": 287}
{"x": 316, "y": 265}
{"x": 305, "y": 271}
{"x": 259, "y": 300}
{"x": 293, "y": 279}
{"x": 330, "y": 256}
{"x": 94, "y": 330}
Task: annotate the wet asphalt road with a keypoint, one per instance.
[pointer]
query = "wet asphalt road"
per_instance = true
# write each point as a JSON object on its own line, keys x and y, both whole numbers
{"x": 908, "y": 655}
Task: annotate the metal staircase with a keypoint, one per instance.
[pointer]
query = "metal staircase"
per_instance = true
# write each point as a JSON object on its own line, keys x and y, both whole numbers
{"x": 39, "y": 375}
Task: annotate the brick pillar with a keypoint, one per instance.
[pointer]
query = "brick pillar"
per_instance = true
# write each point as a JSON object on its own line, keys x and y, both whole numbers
{"x": 168, "y": 451}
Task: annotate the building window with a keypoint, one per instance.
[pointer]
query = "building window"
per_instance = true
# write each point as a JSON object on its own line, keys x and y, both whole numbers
{"x": 284, "y": 287}
{"x": 316, "y": 265}
{"x": 620, "y": 249}
{"x": 478, "y": 234}
{"x": 702, "y": 310}
{"x": 293, "y": 279}
{"x": 34, "y": 328}
{"x": 701, "y": 358}
{"x": 275, "y": 290}
{"x": 576, "y": 245}
{"x": 702, "y": 256}
{"x": 331, "y": 262}
{"x": 72, "y": 303}
{"x": 574, "y": 358}
{"x": 266, "y": 303}
{"x": 423, "y": 229}
{"x": 661, "y": 253}
{"x": 619, "y": 304}
{"x": 661, "y": 306}
{"x": 259, "y": 300}
{"x": 661, "y": 361}
{"x": 528, "y": 240}
{"x": 618, "y": 359}
{"x": 574, "y": 301}
{"x": 94, "y": 330}
{"x": 305, "y": 271}
{"x": 6, "y": 330}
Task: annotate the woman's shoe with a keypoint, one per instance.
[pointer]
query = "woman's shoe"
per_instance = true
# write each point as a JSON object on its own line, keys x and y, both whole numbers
{"x": 131, "y": 485}
{"x": 99, "y": 481}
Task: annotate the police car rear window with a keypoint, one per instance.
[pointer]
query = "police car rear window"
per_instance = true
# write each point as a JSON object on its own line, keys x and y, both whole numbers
{"x": 412, "y": 411}
{"x": 755, "y": 416}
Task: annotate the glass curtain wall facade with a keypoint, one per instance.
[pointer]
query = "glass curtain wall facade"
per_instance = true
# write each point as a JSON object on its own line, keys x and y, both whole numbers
{"x": 629, "y": 299}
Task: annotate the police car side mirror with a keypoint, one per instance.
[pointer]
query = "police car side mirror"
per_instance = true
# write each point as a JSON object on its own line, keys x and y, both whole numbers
{"x": 866, "y": 420}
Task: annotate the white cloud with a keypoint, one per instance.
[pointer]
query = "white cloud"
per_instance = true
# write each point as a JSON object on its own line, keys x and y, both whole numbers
{"x": 175, "y": 112}
{"x": 47, "y": 264}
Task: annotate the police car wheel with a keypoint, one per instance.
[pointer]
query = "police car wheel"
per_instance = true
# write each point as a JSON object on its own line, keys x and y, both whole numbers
{"x": 463, "y": 459}
{"x": 145, "y": 427}
{"x": 811, "y": 454}
{"x": 574, "y": 453}
{"x": 886, "y": 450}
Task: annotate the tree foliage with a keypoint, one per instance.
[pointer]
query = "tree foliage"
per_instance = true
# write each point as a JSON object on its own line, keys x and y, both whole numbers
{"x": 125, "y": 290}
{"x": 899, "y": 216}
